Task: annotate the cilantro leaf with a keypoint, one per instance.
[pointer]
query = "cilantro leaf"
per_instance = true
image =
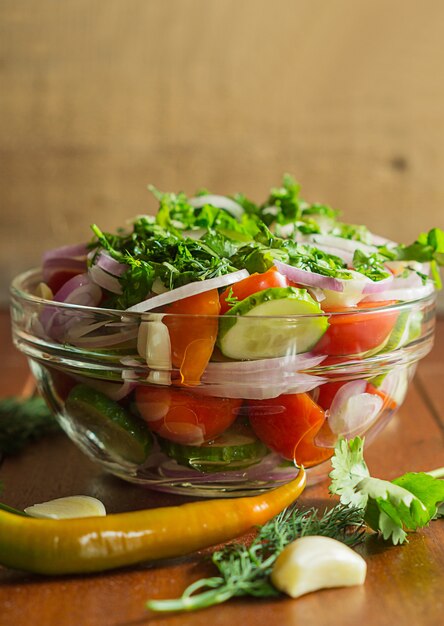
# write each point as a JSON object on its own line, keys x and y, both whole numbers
{"x": 428, "y": 248}
{"x": 349, "y": 468}
{"x": 425, "y": 487}
{"x": 357, "y": 232}
{"x": 286, "y": 200}
{"x": 392, "y": 508}
{"x": 371, "y": 265}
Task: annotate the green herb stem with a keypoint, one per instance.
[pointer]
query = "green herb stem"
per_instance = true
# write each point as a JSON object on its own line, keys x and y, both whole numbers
{"x": 9, "y": 509}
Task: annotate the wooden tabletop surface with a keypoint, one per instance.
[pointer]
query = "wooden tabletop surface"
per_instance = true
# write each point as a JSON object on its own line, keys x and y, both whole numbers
{"x": 404, "y": 584}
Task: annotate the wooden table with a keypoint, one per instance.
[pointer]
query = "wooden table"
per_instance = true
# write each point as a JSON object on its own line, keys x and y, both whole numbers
{"x": 404, "y": 584}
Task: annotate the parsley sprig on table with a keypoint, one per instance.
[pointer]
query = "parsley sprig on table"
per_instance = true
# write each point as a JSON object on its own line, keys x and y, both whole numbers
{"x": 245, "y": 570}
{"x": 391, "y": 507}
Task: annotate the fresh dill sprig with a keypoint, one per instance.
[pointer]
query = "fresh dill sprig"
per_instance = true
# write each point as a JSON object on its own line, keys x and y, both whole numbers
{"x": 245, "y": 570}
{"x": 22, "y": 421}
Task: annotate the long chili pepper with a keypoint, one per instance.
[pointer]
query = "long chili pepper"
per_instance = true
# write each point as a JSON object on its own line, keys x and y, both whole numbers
{"x": 100, "y": 543}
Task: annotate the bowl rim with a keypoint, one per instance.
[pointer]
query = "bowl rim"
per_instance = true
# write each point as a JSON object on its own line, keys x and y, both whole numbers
{"x": 16, "y": 290}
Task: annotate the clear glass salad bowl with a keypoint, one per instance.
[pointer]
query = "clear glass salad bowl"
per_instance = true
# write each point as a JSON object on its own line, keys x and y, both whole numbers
{"x": 215, "y": 425}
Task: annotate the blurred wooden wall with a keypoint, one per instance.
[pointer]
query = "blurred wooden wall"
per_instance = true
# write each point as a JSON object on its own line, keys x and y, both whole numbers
{"x": 100, "y": 97}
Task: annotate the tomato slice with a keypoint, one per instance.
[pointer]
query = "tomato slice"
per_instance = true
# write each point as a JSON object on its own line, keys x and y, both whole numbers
{"x": 288, "y": 425}
{"x": 193, "y": 338}
{"x": 252, "y": 284}
{"x": 327, "y": 392}
{"x": 356, "y": 334}
{"x": 184, "y": 417}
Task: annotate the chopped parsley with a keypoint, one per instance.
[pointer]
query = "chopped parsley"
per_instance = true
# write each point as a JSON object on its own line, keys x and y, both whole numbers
{"x": 184, "y": 243}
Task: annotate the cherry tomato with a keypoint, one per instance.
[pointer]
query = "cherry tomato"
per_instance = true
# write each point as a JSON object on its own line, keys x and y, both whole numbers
{"x": 193, "y": 338}
{"x": 355, "y": 334}
{"x": 183, "y": 417}
{"x": 327, "y": 392}
{"x": 252, "y": 284}
{"x": 288, "y": 425}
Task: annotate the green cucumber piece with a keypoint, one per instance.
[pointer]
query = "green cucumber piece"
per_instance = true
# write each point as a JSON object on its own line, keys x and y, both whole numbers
{"x": 406, "y": 330}
{"x": 270, "y": 336}
{"x": 121, "y": 434}
{"x": 235, "y": 449}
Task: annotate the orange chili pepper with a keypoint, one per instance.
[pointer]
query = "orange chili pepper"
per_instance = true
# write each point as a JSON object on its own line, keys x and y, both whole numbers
{"x": 95, "y": 544}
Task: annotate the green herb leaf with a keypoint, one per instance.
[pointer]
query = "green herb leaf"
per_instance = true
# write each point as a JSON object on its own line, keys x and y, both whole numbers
{"x": 349, "y": 468}
{"x": 371, "y": 265}
{"x": 392, "y": 508}
{"x": 425, "y": 487}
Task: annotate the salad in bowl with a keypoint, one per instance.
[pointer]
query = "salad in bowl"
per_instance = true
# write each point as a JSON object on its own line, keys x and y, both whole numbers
{"x": 219, "y": 345}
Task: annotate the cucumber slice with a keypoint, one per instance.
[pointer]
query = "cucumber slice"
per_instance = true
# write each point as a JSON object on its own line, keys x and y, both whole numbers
{"x": 120, "y": 434}
{"x": 236, "y": 448}
{"x": 269, "y": 337}
{"x": 406, "y": 330}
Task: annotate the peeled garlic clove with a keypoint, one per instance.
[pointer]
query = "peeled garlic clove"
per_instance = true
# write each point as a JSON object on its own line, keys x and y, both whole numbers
{"x": 68, "y": 508}
{"x": 312, "y": 563}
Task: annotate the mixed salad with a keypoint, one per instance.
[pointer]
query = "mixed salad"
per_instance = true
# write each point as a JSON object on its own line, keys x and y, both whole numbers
{"x": 231, "y": 306}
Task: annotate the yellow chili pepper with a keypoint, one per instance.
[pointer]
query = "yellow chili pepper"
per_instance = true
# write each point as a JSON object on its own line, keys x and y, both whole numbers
{"x": 95, "y": 544}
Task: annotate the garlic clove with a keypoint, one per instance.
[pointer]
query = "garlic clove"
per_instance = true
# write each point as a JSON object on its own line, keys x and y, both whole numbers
{"x": 68, "y": 508}
{"x": 311, "y": 563}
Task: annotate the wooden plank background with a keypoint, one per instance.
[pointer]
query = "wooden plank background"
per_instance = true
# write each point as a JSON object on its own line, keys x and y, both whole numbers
{"x": 100, "y": 97}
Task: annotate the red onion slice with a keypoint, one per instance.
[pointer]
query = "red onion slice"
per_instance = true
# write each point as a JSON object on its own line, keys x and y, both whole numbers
{"x": 114, "y": 390}
{"x": 191, "y": 289}
{"x": 346, "y": 392}
{"x": 69, "y": 265}
{"x": 382, "y": 241}
{"x": 220, "y": 202}
{"x": 79, "y": 290}
{"x": 235, "y": 369}
{"x": 311, "y": 279}
{"x": 406, "y": 295}
{"x": 106, "y": 340}
{"x": 353, "y": 410}
{"x": 77, "y": 251}
{"x": 261, "y": 390}
{"x": 105, "y": 280}
{"x": 110, "y": 265}
{"x": 349, "y": 245}
{"x": 353, "y": 288}
{"x": 84, "y": 329}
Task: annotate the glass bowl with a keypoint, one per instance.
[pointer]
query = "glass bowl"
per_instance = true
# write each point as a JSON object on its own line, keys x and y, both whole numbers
{"x": 227, "y": 427}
